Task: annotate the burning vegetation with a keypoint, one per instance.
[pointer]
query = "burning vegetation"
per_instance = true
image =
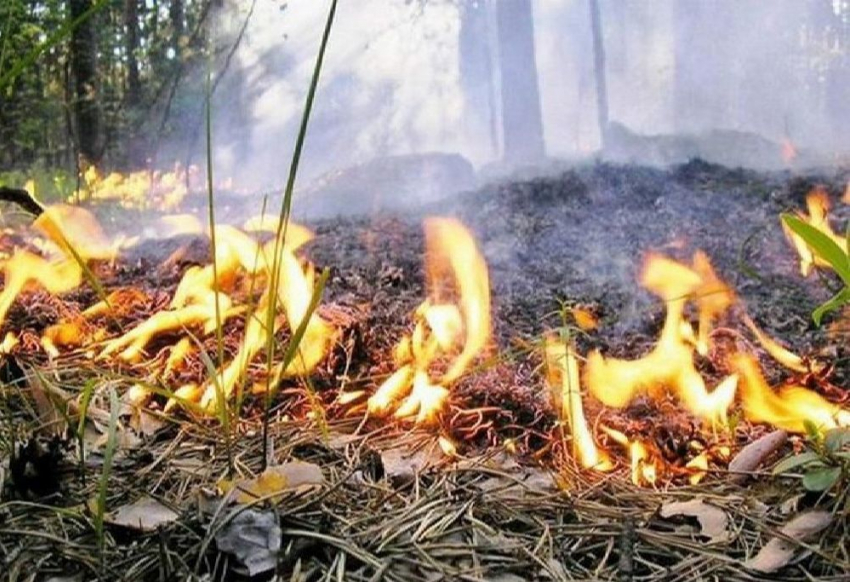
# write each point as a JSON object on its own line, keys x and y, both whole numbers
{"x": 246, "y": 326}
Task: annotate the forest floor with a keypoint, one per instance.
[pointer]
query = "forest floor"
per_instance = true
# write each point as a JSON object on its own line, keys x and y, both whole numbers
{"x": 386, "y": 503}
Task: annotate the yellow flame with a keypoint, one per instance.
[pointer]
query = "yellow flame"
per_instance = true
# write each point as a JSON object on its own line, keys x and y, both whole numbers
{"x": 778, "y": 352}
{"x": 818, "y": 206}
{"x": 644, "y": 468}
{"x": 151, "y": 189}
{"x": 452, "y": 323}
{"x": 562, "y": 373}
{"x": 670, "y": 364}
{"x": 788, "y": 409}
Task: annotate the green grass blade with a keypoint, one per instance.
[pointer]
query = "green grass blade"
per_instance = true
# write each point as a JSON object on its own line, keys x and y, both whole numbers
{"x": 822, "y": 245}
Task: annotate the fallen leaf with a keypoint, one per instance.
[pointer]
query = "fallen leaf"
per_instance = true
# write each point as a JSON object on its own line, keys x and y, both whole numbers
{"x": 254, "y": 538}
{"x": 777, "y": 553}
{"x": 754, "y": 454}
{"x": 274, "y": 481}
{"x": 146, "y": 514}
{"x": 713, "y": 521}
{"x": 403, "y": 465}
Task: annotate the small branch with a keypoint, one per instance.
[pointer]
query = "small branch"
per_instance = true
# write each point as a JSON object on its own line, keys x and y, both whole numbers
{"x": 22, "y": 198}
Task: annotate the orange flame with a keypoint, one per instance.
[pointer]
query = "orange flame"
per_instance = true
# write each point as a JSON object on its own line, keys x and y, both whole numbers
{"x": 453, "y": 322}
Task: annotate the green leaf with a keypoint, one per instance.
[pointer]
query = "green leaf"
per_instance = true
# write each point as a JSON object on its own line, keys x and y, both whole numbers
{"x": 821, "y": 479}
{"x": 812, "y": 431}
{"x": 794, "y": 461}
{"x": 836, "y": 439}
{"x": 841, "y": 298}
{"x": 822, "y": 245}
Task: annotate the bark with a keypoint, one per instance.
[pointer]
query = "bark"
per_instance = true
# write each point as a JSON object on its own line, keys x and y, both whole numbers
{"x": 87, "y": 113}
{"x": 522, "y": 119}
{"x": 599, "y": 71}
{"x": 131, "y": 46}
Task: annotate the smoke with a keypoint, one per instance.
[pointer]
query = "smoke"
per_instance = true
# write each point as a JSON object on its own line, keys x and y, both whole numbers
{"x": 731, "y": 80}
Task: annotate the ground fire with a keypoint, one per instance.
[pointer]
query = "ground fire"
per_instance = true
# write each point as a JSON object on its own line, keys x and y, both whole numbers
{"x": 451, "y": 331}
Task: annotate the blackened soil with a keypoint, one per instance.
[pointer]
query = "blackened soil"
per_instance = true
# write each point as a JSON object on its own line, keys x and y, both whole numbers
{"x": 579, "y": 238}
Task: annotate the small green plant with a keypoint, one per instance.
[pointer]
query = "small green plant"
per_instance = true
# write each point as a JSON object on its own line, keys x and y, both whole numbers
{"x": 831, "y": 252}
{"x": 825, "y": 463}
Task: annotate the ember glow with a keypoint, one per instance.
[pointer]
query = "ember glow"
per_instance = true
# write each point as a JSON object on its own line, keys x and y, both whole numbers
{"x": 452, "y": 326}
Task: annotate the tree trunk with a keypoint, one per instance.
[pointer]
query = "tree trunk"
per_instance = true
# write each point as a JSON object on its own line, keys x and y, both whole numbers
{"x": 599, "y": 72}
{"x": 522, "y": 119}
{"x": 84, "y": 69}
{"x": 176, "y": 15}
{"x": 476, "y": 72}
{"x": 131, "y": 46}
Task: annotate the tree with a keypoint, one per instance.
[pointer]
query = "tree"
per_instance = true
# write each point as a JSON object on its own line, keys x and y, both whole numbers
{"x": 131, "y": 39}
{"x": 87, "y": 113}
{"x": 522, "y": 119}
{"x": 476, "y": 70}
{"x": 599, "y": 71}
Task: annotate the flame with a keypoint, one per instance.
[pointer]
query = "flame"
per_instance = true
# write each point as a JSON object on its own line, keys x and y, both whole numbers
{"x": 846, "y": 198}
{"x": 152, "y": 189}
{"x": 453, "y": 322}
{"x": 779, "y": 353}
{"x": 562, "y": 373}
{"x": 644, "y": 467}
{"x": 818, "y": 206}
{"x": 294, "y": 293}
{"x": 788, "y": 409}
{"x": 670, "y": 364}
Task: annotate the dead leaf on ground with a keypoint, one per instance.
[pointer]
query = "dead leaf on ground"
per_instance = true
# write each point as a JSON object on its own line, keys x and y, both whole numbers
{"x": 777, "y": 553}
{"x": 294, "y": 476}
{"x": 713, "y": 521}
{"x": 254, "y": 538}
{"x": 145, "y": 514}
{"x": 404, "y": 465}
{"x": 754, "y": 454}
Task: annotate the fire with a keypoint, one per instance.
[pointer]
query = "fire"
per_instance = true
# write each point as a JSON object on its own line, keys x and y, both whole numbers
{"x": 562, "y": 373}
{"x": 818, "y": 217}
{"x": 670, "y": 364}
{"x": 73, "y": 237}
{"x": 644, "y": 466}
{"x": 790, "y": 408}
{"x": 145, "y": 189}
{"x": 452, "y": 323}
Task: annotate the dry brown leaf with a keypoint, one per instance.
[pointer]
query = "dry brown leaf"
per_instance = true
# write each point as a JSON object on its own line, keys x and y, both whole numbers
{"x": 777, "y": 553}
{"x": 274, "y": 481}
{"x": 754, "y": 454}
{"x": 146, "y": 514}
{"x": 713, "y": 521}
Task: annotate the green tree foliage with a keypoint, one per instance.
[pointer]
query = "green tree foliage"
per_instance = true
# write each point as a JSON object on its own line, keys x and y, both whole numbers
{"x": 145, "y": 51}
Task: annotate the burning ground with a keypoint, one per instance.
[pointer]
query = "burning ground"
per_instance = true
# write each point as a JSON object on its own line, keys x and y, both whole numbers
{"x": 600, "y": 260}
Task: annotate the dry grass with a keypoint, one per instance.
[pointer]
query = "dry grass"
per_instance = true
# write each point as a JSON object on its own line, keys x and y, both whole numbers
{"x": 487, "y": 517}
